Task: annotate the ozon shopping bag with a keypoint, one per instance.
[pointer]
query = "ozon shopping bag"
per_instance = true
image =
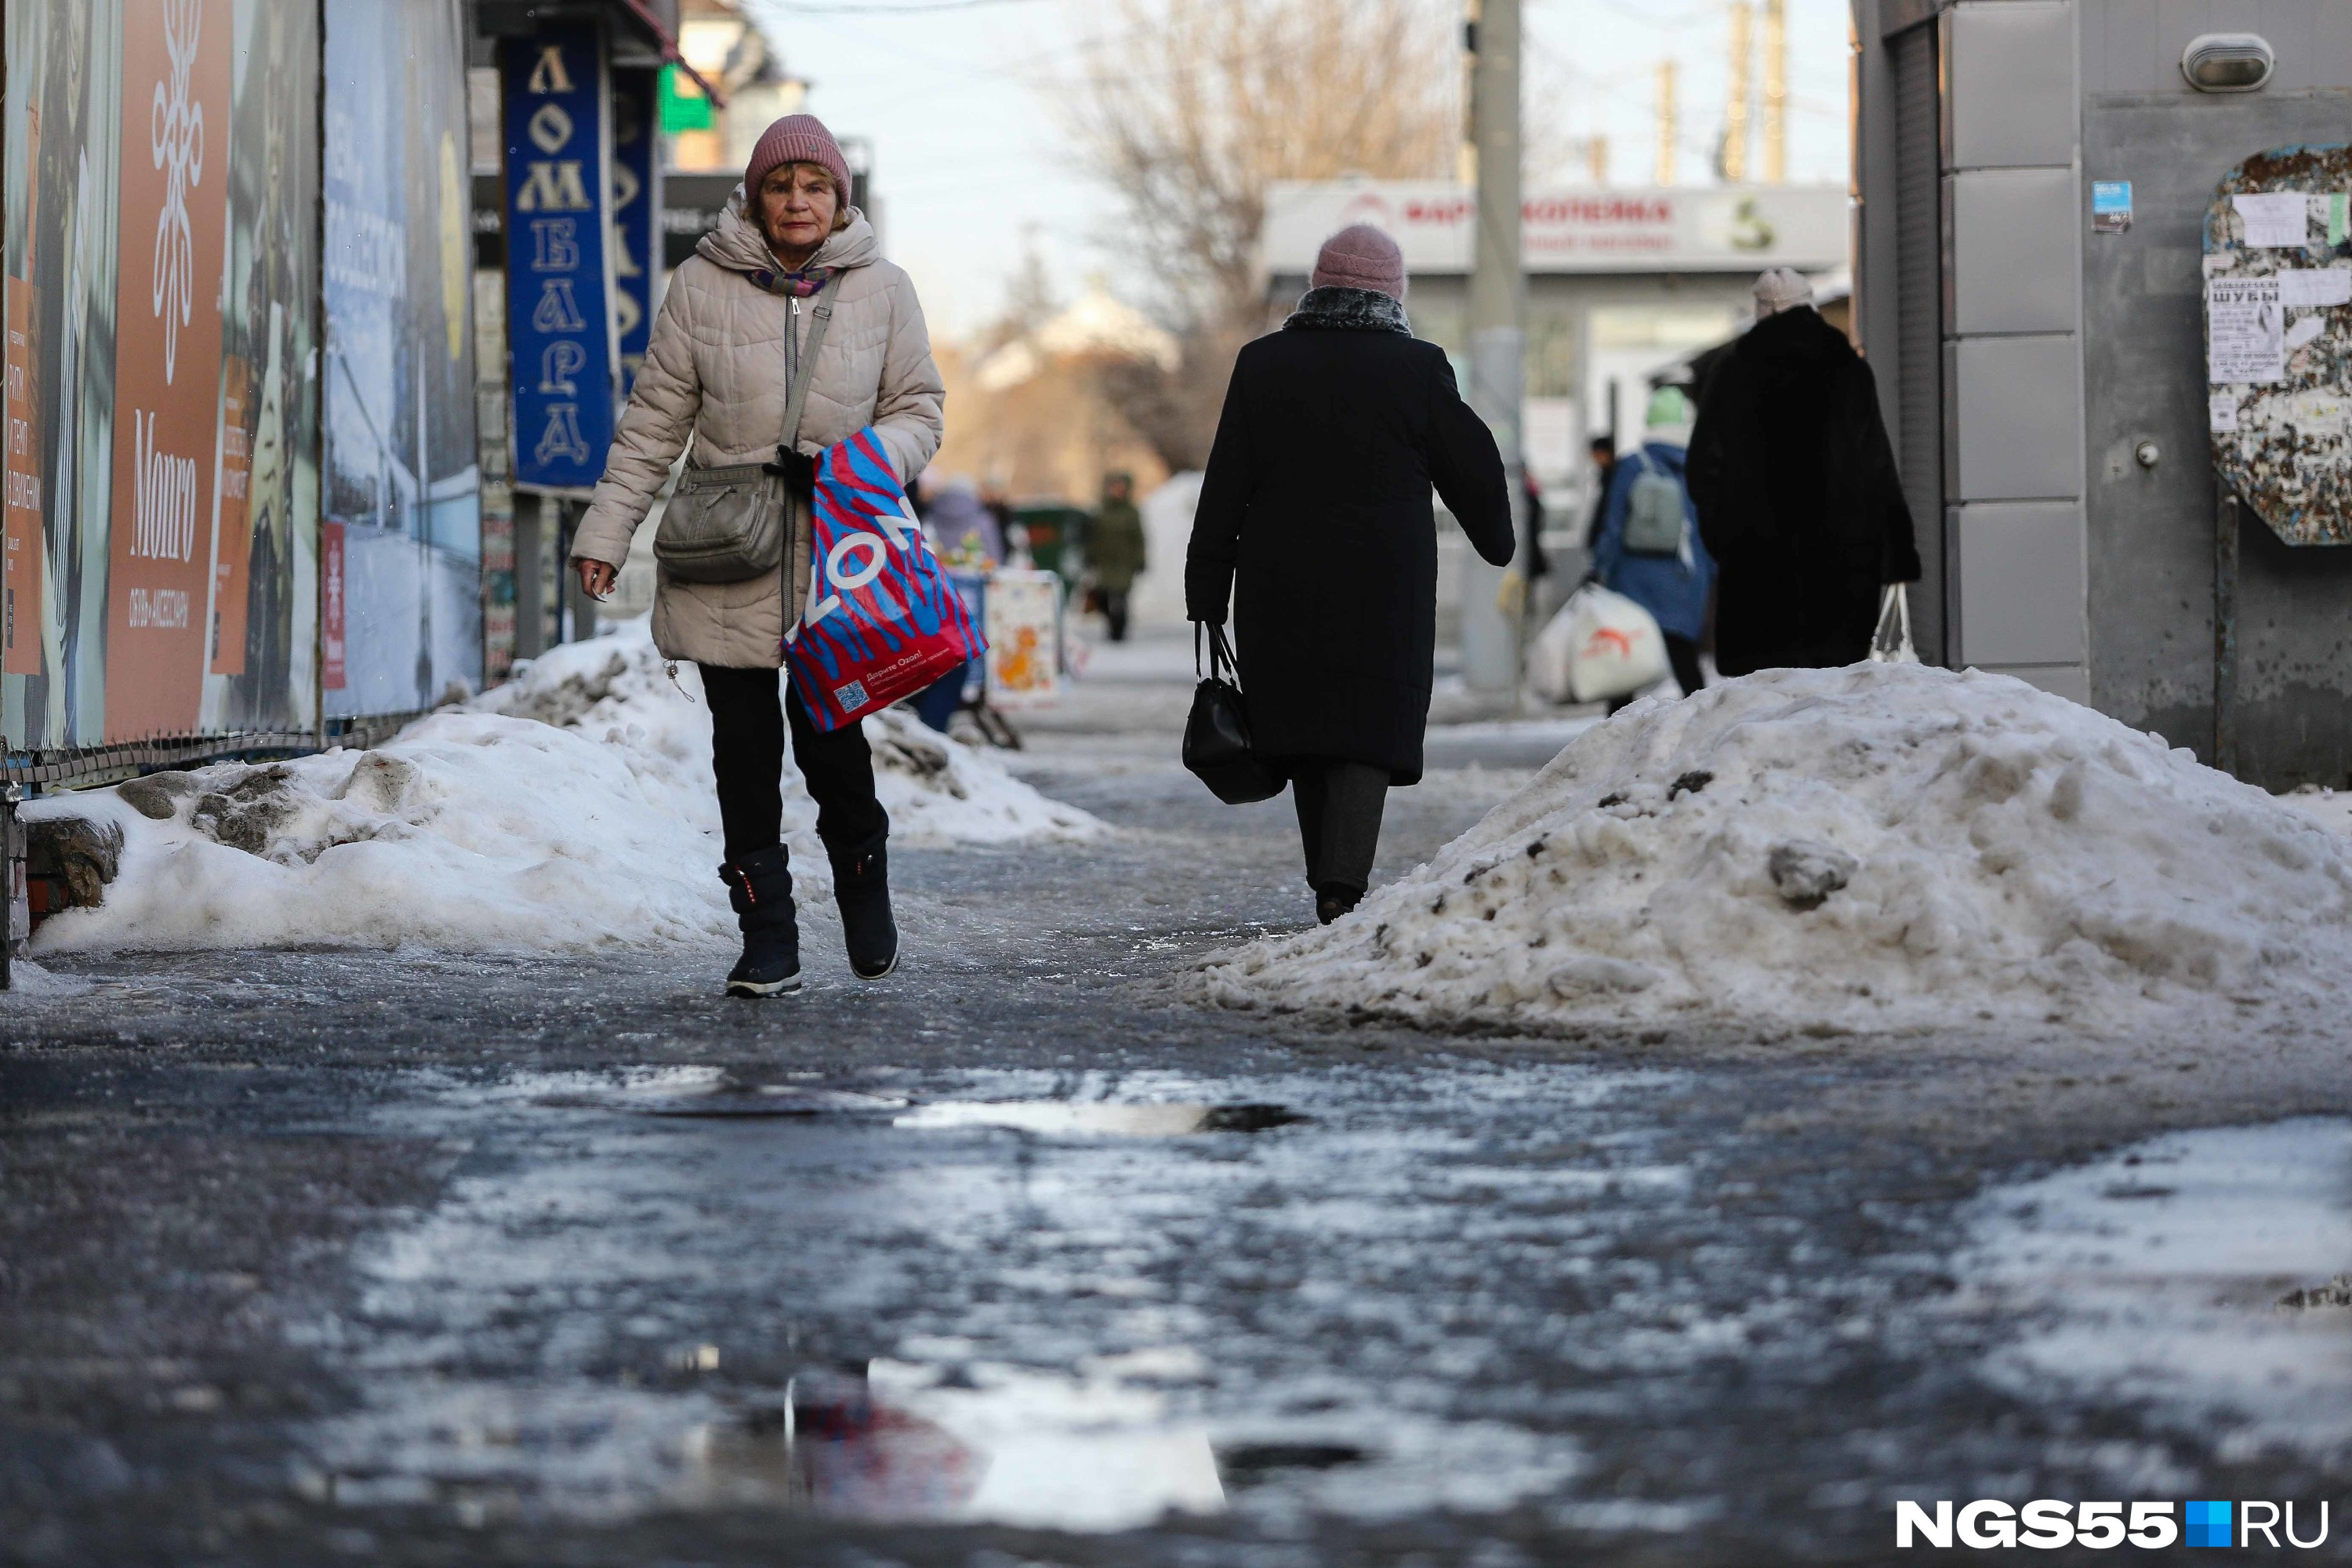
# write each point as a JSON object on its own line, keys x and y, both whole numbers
{"x": 884, "y": 619}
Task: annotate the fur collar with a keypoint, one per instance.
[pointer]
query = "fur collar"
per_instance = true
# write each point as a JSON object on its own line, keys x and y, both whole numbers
{"x": 1348, "y": 309}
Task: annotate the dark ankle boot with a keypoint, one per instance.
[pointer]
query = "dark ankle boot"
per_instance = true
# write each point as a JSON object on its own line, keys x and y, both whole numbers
{"x": 861, "y": 886}
{"x": 1333, "y": 900}
{"x": 760, "y": 886}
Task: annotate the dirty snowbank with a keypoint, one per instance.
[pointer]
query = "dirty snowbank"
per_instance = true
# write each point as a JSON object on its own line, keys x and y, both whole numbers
{"x": 1883, "y": 846}
{"x": 569, "y": 809}
{"x": 938, "y": 790}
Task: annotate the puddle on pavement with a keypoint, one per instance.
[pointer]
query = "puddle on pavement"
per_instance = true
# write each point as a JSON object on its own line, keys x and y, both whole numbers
{"x": 2183, "y": 1275}
{"x": 1069, "y": 1116}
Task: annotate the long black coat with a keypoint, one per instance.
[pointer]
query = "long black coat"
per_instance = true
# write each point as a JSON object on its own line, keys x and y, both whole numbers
{"x": 1798, "y": 497}
{"x": 1317, "y": 496}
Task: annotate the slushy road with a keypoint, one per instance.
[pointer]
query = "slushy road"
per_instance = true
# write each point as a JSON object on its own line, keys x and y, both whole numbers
{"x": 1028, "y": 1257}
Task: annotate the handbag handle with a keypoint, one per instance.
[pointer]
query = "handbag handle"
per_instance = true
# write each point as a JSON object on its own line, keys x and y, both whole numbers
{"x": 1220, "y": 653}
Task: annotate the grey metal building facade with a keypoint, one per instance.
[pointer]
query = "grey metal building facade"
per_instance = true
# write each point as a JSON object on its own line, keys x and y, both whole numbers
{"x": 2045, "y": 382}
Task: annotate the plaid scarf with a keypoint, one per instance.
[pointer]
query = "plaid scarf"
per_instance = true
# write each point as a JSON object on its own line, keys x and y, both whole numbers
{"x": 802, "y": 285}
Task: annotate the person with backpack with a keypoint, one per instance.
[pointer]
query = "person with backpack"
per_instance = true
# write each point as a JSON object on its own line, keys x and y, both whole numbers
{"x": 1647, "y": 545}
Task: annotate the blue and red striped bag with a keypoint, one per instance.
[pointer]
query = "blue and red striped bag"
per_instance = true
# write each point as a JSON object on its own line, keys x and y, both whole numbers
{"x": 883, "y": 620}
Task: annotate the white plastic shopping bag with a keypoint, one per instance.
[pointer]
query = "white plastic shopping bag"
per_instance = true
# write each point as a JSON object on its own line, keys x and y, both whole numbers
{"x": 1614, "y": 645}
{"x": 1891, "y": 643}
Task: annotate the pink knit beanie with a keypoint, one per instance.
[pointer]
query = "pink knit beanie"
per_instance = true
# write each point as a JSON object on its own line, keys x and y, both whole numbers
{"x": 797, "y": 139}
{"x": 1360, "y": 256}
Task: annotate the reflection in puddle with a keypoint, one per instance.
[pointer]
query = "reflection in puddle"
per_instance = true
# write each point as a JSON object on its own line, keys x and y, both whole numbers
{"x": 988, "y": 1444}
{"x": 1069, "y": 1116}
{"x": 710, "y": 1092}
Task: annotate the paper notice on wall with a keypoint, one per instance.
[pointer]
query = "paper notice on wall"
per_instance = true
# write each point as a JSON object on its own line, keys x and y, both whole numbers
{"x": 2245, "y": 331}
{"x": 2280, "y": 219}
{"x": 2315, "y": 285}
{"x": 2320, "y": 413}
{"x": 2305, "y": 330}
{"x": 2221, "y": 412}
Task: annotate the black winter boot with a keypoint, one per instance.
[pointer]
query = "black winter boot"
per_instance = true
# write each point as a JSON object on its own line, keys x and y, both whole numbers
{"x": 861, "y": 886}
{"x": 760, "y": 886}
{"x": 1334, "y": 900}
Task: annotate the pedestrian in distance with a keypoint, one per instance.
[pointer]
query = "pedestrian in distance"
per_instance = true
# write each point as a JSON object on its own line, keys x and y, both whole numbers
{"x": 1798, "y": 496}
{"x": 1647, "y": 546}
{"x": 1115, "y": 550}
{"x": 1314, "y": 526}
{"x": 725, "y": 347}
{"x": 1604, "y": 463}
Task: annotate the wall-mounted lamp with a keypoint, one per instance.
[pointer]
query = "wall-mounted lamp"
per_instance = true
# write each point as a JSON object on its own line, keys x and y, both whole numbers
{"x": 2228, "y": 62}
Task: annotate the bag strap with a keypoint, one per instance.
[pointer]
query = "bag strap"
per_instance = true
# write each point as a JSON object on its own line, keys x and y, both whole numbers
{"x": 796, "y": 398}
{"x": 1222, "y": 664}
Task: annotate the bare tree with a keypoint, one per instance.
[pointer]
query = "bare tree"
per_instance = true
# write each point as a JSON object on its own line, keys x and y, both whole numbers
{"x": 1188, "y": 108}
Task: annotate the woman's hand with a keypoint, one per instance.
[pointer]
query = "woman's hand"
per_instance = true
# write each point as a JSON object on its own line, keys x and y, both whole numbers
{"x": 596, "y": 578}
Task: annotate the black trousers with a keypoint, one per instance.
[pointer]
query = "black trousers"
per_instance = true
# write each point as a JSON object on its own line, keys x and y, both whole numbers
{"x": 1115, "y": 611}
{"x": 1339, "y": 807}
{"x": 749, "y": 712}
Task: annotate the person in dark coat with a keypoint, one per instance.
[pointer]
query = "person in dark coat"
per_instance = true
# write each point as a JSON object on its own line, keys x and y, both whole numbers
{"x": 1798, "y": 497}
{"x": 1315, "y": 520}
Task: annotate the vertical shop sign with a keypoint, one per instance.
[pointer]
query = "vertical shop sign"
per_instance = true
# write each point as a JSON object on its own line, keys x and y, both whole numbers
{"x": 23, "y": 518}
{"x": 636, "y": 206}
{"x": 21, "y": 522}
{"x": 176, "y": 58}
{"x": 559, "y": 256}
{"x": 333, "y": 667}
{"x": 233, "y": 555}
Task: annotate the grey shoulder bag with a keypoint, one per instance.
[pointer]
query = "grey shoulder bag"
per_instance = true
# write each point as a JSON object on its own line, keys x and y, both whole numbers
{"x": 727, "y": 525}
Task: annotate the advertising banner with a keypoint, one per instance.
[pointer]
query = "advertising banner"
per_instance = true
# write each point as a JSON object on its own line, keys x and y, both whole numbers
{"x": 1024, "y": 638}
{"x": 637, "y": 207}
{"x": 173, "y": 208}
{"x": 559, "y": 260}
{"x": 21, "y": 518}
{"x": 233, "y": 531}
{"x": 402, "y": 474}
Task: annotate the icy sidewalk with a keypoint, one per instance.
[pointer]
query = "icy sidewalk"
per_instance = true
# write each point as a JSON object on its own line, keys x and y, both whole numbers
{"x": 1881, "y": 846}
{"x": 569, "y": 809}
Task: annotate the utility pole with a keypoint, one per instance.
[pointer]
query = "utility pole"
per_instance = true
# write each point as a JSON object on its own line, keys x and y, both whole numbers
{"x": 1669, "y": 140}
{"x": 1735, "y": 110}
{"x": 1490, "y": 639}
{"x": 1596, "y": 157}
{"x": 1776, "y": 91}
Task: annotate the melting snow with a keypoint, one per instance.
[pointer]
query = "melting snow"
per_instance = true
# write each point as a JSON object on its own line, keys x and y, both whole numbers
{"x": 571, "y": 809}
{"x": 1880, "y": 846}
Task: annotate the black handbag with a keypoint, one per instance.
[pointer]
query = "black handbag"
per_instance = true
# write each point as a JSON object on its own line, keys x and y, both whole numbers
{"x": 1217, "y": 735}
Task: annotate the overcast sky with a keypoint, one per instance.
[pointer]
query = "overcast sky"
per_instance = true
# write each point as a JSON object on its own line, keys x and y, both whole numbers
{"x": 971, "y": 162}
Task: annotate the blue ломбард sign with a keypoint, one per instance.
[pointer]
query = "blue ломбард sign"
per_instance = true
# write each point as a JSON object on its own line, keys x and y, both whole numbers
{"x": 559, "y": 256}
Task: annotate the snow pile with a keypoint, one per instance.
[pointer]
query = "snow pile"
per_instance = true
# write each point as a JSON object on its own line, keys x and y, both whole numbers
{"x": 1880, "y": 846}
{"x": 571, "y": 809}
{"x": 470, "y": 831}
{"x": 938, "y": 790}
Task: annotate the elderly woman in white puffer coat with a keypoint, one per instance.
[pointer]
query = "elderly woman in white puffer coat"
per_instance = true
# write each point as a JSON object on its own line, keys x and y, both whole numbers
{"x": 726, "y": 343}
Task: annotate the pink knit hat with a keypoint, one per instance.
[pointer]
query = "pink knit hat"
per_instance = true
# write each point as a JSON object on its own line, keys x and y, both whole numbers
{"x": 797, "y": 139}
{"x": 1360, "y": 256}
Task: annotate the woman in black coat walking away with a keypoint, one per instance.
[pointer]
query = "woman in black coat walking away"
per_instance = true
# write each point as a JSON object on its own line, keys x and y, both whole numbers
{"x": 1317, "y": 499}
{"x": 1797, "y": 499}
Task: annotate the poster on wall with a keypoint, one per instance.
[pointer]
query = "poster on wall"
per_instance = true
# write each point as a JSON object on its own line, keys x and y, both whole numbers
{"x": 265, "y": 623}
{"x": 401, "y": 479}
{"x": 173, "y": 208}
{"x": 559, "y": 261}
{"x": 161, "y": 234}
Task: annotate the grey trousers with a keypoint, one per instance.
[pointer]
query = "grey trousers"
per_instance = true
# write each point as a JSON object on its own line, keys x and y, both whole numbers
{"x": 1339, "y": 807}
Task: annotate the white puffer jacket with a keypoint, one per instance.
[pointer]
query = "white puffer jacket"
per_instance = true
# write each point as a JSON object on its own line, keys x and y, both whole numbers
{"x": 715, "y": 370}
